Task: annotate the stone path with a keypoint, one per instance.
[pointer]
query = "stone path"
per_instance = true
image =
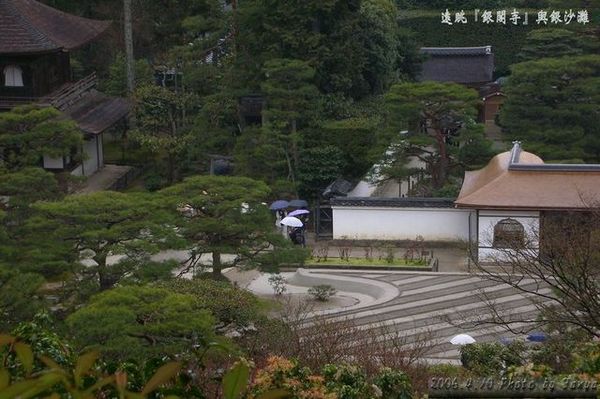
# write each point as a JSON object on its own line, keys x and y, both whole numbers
{"x": 433, "y": 305}
{"x": 104, "y": 178}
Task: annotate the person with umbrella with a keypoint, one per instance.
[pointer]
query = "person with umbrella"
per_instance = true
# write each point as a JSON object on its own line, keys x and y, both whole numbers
{"x": 296, "y": 225}
{"x": 279, "y": 207}
{"x": 301, "y": 233}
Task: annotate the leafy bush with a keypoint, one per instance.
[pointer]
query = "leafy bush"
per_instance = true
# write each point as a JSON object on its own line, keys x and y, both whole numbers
{"x": 322, "y": 292}
{"x": 229, "y": 305}
{"x": 140, "y": 322}
{"x": 394, "y": 384}
{"x": 491, "y": 357}
{"x": 83, "y": 379}
{"x": 558, "y": 351}
{"x": 154, "y": 181}
{"x": 529, "y": 371}
{"x": 350, "y": 382}
{"x": 298, "y": 382}
{"x": 278, "y": 283}
{"x": 587, "y": 358}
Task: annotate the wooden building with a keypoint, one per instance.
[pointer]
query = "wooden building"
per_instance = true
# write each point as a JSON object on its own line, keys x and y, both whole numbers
{"x": 492, "y": 99}
{"x": 470, "y": 66}
{"x": 516, "y": 197}
{"x": 35, "y": 46}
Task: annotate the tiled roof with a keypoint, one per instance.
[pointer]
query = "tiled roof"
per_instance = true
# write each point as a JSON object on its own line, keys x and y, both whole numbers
{"x": 405, "y": 202}
{"x": 29, "y": 27}
{"x": 458, "y": 64}
{"x": 96, "y": 112}
{"x": 482, "y": 50}
{"x": 521, "y": 180}
{"x": 339, "y": 187}
{"x": 490, "y": 89}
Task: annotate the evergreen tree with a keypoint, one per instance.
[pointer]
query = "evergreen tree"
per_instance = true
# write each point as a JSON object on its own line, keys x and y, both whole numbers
{"x": 553, "y": 104}
{"x": 163, "y": 119}
{"x": 546, "y": 43}
{"x": 290, "y": 100}
{"x": 226, "y": 215}
{"x": 140, "y": 322}
{"x": 27, "y": 133}
{"x": 439, "y": 118}
{"x": 130, "y": 226}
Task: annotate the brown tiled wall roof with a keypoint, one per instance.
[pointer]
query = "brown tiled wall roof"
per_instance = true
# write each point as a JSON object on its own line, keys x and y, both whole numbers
{"x": 521, "y": 180}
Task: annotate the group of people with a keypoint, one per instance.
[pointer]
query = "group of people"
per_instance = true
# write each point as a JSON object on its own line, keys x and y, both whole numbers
{"x": 296, "y": 234}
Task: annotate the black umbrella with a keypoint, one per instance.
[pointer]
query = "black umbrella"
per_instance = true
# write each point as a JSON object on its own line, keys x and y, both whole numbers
{"x": 278, "y": 205}
{"x": 298, "y": 203}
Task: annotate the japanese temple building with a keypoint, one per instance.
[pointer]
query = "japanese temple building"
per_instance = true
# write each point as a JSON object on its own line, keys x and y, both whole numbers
{"x": 35, "y": 46}
{"x": 515, "y": 198}
{"x": 470, "y": 66}
{"x": 517, "y": 194}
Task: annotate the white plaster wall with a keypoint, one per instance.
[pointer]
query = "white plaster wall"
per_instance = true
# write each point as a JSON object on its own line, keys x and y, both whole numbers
{"x": 389, "y": 189}
{"x": 395, "y": 189}
{"x": 78, "y": 171}
{"x": 53, "y": 163}
{"x": 90, "y": 163}
{"x": 489, "y": 218}
{"x": 379, "y": 223}
{"x": 362, "y": 189}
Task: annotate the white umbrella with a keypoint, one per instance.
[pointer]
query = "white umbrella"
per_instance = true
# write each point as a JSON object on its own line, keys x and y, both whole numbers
{"x": 462, "y": 339}
{"x": 299, "y": 212}
{"x": 291, "y": 221}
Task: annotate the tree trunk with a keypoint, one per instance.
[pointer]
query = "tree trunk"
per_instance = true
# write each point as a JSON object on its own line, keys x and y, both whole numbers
{"x": 216, "y": 265}
{"x": 171, "y": 167}
{"x": 295, "y": 151}
{"x": 129, "y": 47}
{"x": 127, "y": 26}
{"x": 441, "y": 174}
{"x": 105, "y": 280}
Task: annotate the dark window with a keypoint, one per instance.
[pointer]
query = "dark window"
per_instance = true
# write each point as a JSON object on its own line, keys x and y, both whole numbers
{"x": 509, "y": 233}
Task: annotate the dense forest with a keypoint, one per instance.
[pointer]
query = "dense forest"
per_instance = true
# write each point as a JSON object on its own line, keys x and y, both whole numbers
{"x": 294, "y": 92}
{"x": 281, "y": 97}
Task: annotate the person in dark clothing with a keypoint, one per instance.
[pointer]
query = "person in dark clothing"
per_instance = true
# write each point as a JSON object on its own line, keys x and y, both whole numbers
{"x": 297, "y": 236}
{"x": 293, "y": 233}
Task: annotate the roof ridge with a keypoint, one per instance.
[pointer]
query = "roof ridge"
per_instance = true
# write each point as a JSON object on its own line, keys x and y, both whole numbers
{"x": 515, "y": 165}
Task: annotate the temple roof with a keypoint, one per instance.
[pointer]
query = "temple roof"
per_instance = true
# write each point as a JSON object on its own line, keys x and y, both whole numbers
{"x": 96, "y": 112}
{"x": 520, "y": 180}
{"x": 395, "y": 202}
{"x": 458, "y": 64}
{"x": 29, "y": 27}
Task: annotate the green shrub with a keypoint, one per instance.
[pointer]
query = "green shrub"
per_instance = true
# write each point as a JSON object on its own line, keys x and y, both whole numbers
{"x": 322, "y": 292}
{"x": 490, "y": 358}
{"x": 278, "y": 282}
{"x": 587, "y": 358}
{"x": 153, "y": 182}
{"x": 227, "y": 303}
{"x": 349, "y": 382}
{"x": 394, "y": 384}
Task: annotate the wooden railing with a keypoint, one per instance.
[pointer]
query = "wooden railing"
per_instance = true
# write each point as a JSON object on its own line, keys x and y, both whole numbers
{"x": 67, "y": 96}
{"x": 62, "y": 98}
